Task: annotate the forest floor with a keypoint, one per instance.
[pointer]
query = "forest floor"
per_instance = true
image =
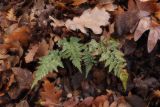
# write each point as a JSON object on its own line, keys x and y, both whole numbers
{"x": 79, "y": 53}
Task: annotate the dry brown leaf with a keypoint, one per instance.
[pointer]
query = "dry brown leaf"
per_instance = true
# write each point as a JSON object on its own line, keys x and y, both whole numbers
{"x": 87, "y": 102}
{"x": 42, "y": 50}
{"x": 123, "y": 103}
{"x": 23, "y": 77}
{"x": 22, "y": 103}
{"x": 11, "y": 15}
{"x": 78, "y": 2}
{"x": 99, "y": 101}
{"x": 92, "y": 19}
{"x": 114, "y": 104}
{"x": 50, "y": 95}
{"x": 31, "y": 53}
{"x": 143, "y": 25}
{"x": 71, "y": 103}
{"x": 106, "y": 103}
{"x": 126, "y": 23}
{"x": 153, "y": 37}
{"x": 21, "y": 34}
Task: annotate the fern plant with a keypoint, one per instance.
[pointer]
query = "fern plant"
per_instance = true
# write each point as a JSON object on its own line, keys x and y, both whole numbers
{"x": 78, "y": 53}
{"x": 47, "y": 64}
{"x": 113, "y": 58}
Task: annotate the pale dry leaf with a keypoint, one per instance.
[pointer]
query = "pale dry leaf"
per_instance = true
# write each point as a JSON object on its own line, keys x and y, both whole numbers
{"x": 92, "y": 19}
{"x": 56, "y": 23}
{"x": 153, "y": 37}
{"x": 11, "y": 15}
{"x": 31, "y": 53}
{"x": 143, "y": 25}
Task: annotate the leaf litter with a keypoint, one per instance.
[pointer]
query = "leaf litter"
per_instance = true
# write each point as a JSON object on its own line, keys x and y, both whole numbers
{"x": 30, "y": 29}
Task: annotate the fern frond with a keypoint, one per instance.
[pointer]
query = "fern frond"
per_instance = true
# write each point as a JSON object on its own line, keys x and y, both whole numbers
{"x": 89, "y": 61}
{"x": 114, "y": 59}
{"x": 72, "y": 50}
{"x": 47, "y": 64}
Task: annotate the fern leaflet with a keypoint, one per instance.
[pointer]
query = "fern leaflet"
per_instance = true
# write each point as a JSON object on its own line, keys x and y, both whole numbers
{"x": 47, "y": 64}
{"x": 72, "y": 50}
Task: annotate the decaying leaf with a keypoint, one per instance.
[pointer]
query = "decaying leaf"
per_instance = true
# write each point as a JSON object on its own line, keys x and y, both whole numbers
{"x": 92, "y": 19}
{"x": 50, "y": 96}
{"x": 21, "y": 34}
{"x": 31, "y": 53}
{"x": 23, "y": 78}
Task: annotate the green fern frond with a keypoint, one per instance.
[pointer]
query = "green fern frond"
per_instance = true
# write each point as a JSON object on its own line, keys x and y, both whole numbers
{"x": 47, "y": 64}
{"x": 72, "y": 50}
{"x": 124, "y": 78}
{"x": 89, "y": 61}
{"x": 113, "y": 58}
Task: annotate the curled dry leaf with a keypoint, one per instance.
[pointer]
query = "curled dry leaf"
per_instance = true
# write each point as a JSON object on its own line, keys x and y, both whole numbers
{"x": 92, "y": 19}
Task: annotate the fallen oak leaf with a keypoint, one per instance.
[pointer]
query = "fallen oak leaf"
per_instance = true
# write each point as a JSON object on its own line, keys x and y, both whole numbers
{"x": 92, "y": 19}
{"x": 50, "y": 96}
